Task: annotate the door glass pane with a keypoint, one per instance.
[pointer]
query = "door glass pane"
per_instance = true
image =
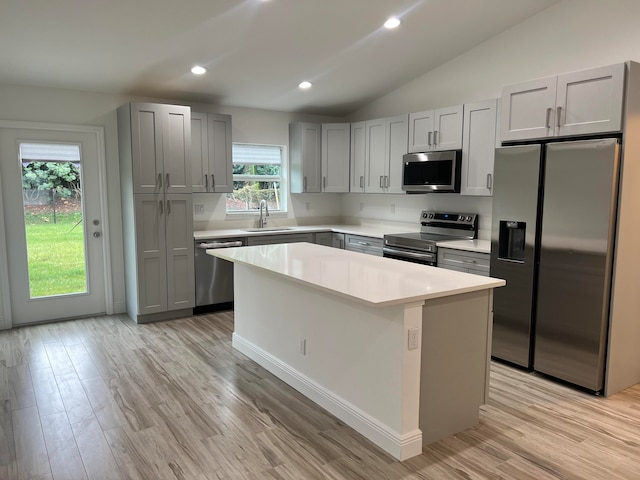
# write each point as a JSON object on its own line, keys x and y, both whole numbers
{"x": 53, "y": 218}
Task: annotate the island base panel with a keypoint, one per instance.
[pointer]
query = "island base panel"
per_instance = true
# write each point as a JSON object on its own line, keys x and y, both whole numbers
{"x": 356, "y": 364}
{"x": 456, "y": 341}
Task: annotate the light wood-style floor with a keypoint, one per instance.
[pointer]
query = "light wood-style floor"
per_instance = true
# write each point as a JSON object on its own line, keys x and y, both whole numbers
{"x": 105, "y": 398}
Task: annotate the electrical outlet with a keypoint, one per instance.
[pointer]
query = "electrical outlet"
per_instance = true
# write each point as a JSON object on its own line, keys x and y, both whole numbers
{"x": 198, "y": 209}
{"x": 302, "y": 345}
{"x": 414, "y": 339}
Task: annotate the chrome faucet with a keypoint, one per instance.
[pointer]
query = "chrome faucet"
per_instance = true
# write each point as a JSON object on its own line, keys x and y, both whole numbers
{"x": 262, "y": 221}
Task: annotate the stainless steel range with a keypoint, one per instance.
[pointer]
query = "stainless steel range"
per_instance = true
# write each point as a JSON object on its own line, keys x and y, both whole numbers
{"x": 420, "y": 247}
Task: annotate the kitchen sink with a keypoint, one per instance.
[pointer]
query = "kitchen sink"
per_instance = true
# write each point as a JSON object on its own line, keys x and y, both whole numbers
{"x": 281, "y": 229}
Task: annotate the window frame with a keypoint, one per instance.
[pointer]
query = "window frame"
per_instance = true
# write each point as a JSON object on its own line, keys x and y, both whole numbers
{"x": 283, "y": 179}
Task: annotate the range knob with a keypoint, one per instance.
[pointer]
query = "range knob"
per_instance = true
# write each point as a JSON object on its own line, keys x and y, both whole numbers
{"x": 461, "y": 218}
{"x": 424, "y": 215}
{"x": 431, "y": 215}
{"x": 469, "y": 218}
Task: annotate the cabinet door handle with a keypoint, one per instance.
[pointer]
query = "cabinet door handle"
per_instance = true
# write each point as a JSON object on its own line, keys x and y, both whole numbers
{"x": 159, "y": 180}
{"x": 435, "y": 137}
{"x": 324, "y": 183}
{"x": 168, "y": 182}
{"x": 213, "y": 183}
{"x": 361, "y": 181}
{"x": 559, "y": 115}
{"x": 381, "y": 184}
{"x": 429, "y": 139}
{"x": 304, "y": 184}
{"x": 168, "y": 207}
{"x": 206, "y": 183}
{"x": 386, "y": 182}
{"x": 489, "y": 181}
{"x": 548, "y": 120}
{"x": 160, "y": 203}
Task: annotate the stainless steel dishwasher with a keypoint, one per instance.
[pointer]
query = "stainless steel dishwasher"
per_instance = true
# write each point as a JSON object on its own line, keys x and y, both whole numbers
{"x": 214, "y": 276}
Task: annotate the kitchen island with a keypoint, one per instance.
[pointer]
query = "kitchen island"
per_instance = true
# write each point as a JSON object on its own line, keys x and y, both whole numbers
{"x": 398, "y": 351}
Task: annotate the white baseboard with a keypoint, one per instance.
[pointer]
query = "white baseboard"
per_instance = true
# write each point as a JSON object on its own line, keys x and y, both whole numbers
{"x": 400, "y": 446}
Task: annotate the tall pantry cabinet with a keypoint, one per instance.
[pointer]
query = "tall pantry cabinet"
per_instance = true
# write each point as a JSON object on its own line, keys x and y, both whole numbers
{"x": 157, "y": 210}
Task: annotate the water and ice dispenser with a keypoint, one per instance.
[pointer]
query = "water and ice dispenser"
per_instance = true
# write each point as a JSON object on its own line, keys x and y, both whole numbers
{"x": 511, "y": 240}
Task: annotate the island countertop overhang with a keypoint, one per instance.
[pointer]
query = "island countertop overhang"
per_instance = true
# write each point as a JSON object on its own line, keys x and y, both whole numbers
{"x": 373, "y": 281}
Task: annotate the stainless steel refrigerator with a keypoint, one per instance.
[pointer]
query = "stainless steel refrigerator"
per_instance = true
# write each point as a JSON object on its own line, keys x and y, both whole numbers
{"x": 552, "y": 240}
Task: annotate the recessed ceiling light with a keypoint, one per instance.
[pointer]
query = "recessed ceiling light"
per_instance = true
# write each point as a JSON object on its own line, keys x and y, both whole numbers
{"x": 392, "y": 22}
{"x": 304, "y": 85}
{"x": 198, "y": 70}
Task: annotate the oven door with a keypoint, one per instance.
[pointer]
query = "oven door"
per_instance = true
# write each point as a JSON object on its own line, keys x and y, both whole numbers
{"x": 422, "y": 258}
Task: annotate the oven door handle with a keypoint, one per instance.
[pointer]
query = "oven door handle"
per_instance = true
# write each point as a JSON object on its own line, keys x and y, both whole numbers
{"x": 429, "y": 257}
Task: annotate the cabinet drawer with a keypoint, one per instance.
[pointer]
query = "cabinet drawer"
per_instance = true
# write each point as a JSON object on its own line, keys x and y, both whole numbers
{"x": 461, "y": 260}
{"x": 369, "y": 245}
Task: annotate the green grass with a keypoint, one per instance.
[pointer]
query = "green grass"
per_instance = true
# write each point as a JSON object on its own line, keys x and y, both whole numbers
{"x": 56, "y": 254}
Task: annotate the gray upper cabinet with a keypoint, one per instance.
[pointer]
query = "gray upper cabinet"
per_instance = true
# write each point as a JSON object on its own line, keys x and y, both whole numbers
{"x": 385, "y": 144}
{"x": 160, "y": 147}
{"x": 577, "y": 103}
{"x": 305, "y": 160}
{"x": 335, "y": 157}
{"x": 439, "y": 129}
{"x": 478, "y": 148}
{"x": 357, "y": 157}
{"x": 211, "y": 158}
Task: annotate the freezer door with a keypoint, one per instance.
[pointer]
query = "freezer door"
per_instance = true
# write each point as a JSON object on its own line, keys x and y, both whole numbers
{"x": 578, "y": 225}
{"x": 515, "y": 205}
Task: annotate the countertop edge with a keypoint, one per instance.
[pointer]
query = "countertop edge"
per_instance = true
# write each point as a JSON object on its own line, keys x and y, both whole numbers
{"x": 487, "y": 284}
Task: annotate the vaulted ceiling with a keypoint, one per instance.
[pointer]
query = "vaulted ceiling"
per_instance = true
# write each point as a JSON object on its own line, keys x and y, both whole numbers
{"x": 256, "y": 51}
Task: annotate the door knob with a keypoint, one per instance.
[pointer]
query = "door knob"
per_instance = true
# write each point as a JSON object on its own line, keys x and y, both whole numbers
{"x": 96, "y": 234}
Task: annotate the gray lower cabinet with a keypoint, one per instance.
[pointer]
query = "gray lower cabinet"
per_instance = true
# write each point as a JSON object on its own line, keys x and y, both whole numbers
{"x": 464, "y": 261}
{"x": 330, "y": 239}
{"x": 362, "y": 244}
{"x": 280, "y": 238}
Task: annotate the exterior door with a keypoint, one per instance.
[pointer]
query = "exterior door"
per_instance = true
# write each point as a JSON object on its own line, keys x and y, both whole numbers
{"x": 53, "y": 218}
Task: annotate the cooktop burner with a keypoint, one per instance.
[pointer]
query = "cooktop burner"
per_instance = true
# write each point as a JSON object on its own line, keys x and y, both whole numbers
{"x": 436, "y": 227}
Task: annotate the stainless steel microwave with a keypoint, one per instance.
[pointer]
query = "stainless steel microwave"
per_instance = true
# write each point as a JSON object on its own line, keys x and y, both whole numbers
{"x": 432, "y": 172}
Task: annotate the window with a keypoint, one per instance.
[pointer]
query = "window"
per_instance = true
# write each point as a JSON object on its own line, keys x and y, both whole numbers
{"x": 258, "y": 174}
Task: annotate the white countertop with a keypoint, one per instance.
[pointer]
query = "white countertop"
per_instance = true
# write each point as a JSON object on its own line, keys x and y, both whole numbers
{"x": 376, "y": 231}
{"x": 375, "y": 281}
{"x": 480, "y": 246}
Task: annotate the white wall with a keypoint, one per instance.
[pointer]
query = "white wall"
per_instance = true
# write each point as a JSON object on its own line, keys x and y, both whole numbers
{"x": 572, "y": 35}
{"x": 85, "y": 108}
